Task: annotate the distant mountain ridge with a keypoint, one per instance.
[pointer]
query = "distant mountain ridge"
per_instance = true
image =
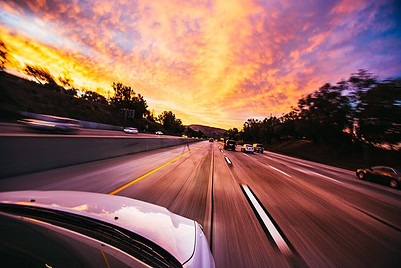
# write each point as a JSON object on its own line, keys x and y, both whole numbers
{"x": 213, "y": 132}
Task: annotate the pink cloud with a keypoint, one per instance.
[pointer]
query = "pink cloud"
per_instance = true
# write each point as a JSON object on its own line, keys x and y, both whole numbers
{"x": 223, "y": 60}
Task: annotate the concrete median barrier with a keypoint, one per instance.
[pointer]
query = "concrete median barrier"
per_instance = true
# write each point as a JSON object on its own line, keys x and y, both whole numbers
{"x": 26, "y": 154}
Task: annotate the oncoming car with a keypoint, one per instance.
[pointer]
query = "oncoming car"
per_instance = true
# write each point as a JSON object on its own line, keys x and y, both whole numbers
{"x": 247, "y": 148}
{"x": 51, "y": 123}
{"x": 387, "y": 175}
{"x": 80, "y": 229}
{"x": 159, "y": 133}
{"x": 131, "y": 130}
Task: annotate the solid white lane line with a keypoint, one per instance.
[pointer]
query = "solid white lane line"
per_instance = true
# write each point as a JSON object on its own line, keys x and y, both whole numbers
{"x": 311, "y": 164}
{"x": 280, "y": 171}
{"x": 328, "y": 178}
{"x": 315, "y": 173}
{"x": 278, "y": 239}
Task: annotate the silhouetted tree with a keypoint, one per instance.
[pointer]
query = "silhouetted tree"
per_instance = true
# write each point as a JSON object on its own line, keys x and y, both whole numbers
{"x": 42, "y": 75}
{"x": 379, "y": 114}
{"x": 358, "y": 83}
{"x": 3, "y": 55}
{"x": 66, "y": 81}
{"x": 122, "y": 95}
{"x": 125, "y": 97}
{"x": 193, "y": 133}
{"x": 93, "y": 96}
{"x": 140, "y": 105}
{"x": 325, "y": 113}
{"x": 357, "y": 109}
{"x": 232, "y": 134}
{"x": 151, "y": 116}
{"x": 169, "y": 121}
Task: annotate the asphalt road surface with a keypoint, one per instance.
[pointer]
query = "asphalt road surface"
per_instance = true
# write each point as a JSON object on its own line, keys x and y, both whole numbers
{"x": 258, "y": 210}
{"x": 14, "y": 129}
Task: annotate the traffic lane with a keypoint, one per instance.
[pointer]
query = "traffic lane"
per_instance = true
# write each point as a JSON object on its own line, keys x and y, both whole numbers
{"x": 307, "y": 163}
{"x": 334, "y": 174}
{"x": 12, "y": 129}
{"x": 238, "y": 238}
{"x": 323, "y": 169}
{"x": 183, "y": 187}
{"x": 311, "y": 167}
{"x": 180, "y": 186}
{"x": 323, "y": 230}
{"x": 327, "y": 171}
{"x": 380, "y": 191}
{"x": 101, "y": 176}
{"x": 376, "y": 200}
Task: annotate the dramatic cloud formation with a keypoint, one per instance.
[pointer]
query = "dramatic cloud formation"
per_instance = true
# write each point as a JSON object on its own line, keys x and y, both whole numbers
{"x": 211, "y": 62}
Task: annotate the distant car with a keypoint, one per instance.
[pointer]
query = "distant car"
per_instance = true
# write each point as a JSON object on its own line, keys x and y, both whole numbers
{"x": 257, "y": 147}
{"x": 247, "y": 148}
{"x": 80, "y": 229}
{"x": 159, "y": 133}
{"x": 50, "y": 123}
{"x": 131, "y": 130}
{"x": 211, "y": 140}
{"x": 387, "y": 175}
{"x": 230, "y": 145}
{"x": 184, "y": 136}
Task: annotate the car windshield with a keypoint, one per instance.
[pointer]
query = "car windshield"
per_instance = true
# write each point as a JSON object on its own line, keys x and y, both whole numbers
{"x": 40, "y": 247}
{"x": 129, "y": 242}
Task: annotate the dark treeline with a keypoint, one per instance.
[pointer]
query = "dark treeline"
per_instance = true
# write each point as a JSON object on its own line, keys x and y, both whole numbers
{"x": 124, "y": 98}
{"x": 358, "y": 110}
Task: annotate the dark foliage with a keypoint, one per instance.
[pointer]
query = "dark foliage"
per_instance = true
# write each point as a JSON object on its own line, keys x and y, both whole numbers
{"x": 170, "y": 123}
{"x": 3, "y": 55}
{"x": 193, "y": 133}
{"x": 379, "y": 114}
{"x": 42, "y": 75}
{"x": 125, "y": 98}
{"x": 93, "y": 96}
{"x": 357, "y": 110}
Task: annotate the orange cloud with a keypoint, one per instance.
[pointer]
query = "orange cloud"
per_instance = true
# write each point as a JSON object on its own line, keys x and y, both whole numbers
{"x": 214, "y": 63}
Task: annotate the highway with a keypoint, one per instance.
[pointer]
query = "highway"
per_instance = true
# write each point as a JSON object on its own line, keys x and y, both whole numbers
{"x": 257, "y": 210}
{"x": 19, "y": 130}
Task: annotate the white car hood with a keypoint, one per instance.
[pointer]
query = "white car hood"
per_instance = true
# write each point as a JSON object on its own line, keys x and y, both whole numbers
{"x": 172, "y": 232}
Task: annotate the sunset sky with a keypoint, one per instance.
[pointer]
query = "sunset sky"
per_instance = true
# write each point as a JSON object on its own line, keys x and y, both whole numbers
{"x": 215, "y": 63}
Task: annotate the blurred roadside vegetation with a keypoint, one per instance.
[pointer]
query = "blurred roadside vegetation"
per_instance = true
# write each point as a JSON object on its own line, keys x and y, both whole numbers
{"x": 58, "y": 96}
{"x": 354, "y": 123}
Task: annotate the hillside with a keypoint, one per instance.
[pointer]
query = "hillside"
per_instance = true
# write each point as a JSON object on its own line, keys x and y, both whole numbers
{"x": 209, "y": 131}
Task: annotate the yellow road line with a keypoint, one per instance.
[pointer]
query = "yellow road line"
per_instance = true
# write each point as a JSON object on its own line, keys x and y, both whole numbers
{"x": 152, "y": 171}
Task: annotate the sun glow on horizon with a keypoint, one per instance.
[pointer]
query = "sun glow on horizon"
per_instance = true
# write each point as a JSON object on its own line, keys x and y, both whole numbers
{"x": 215, "y": 64}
